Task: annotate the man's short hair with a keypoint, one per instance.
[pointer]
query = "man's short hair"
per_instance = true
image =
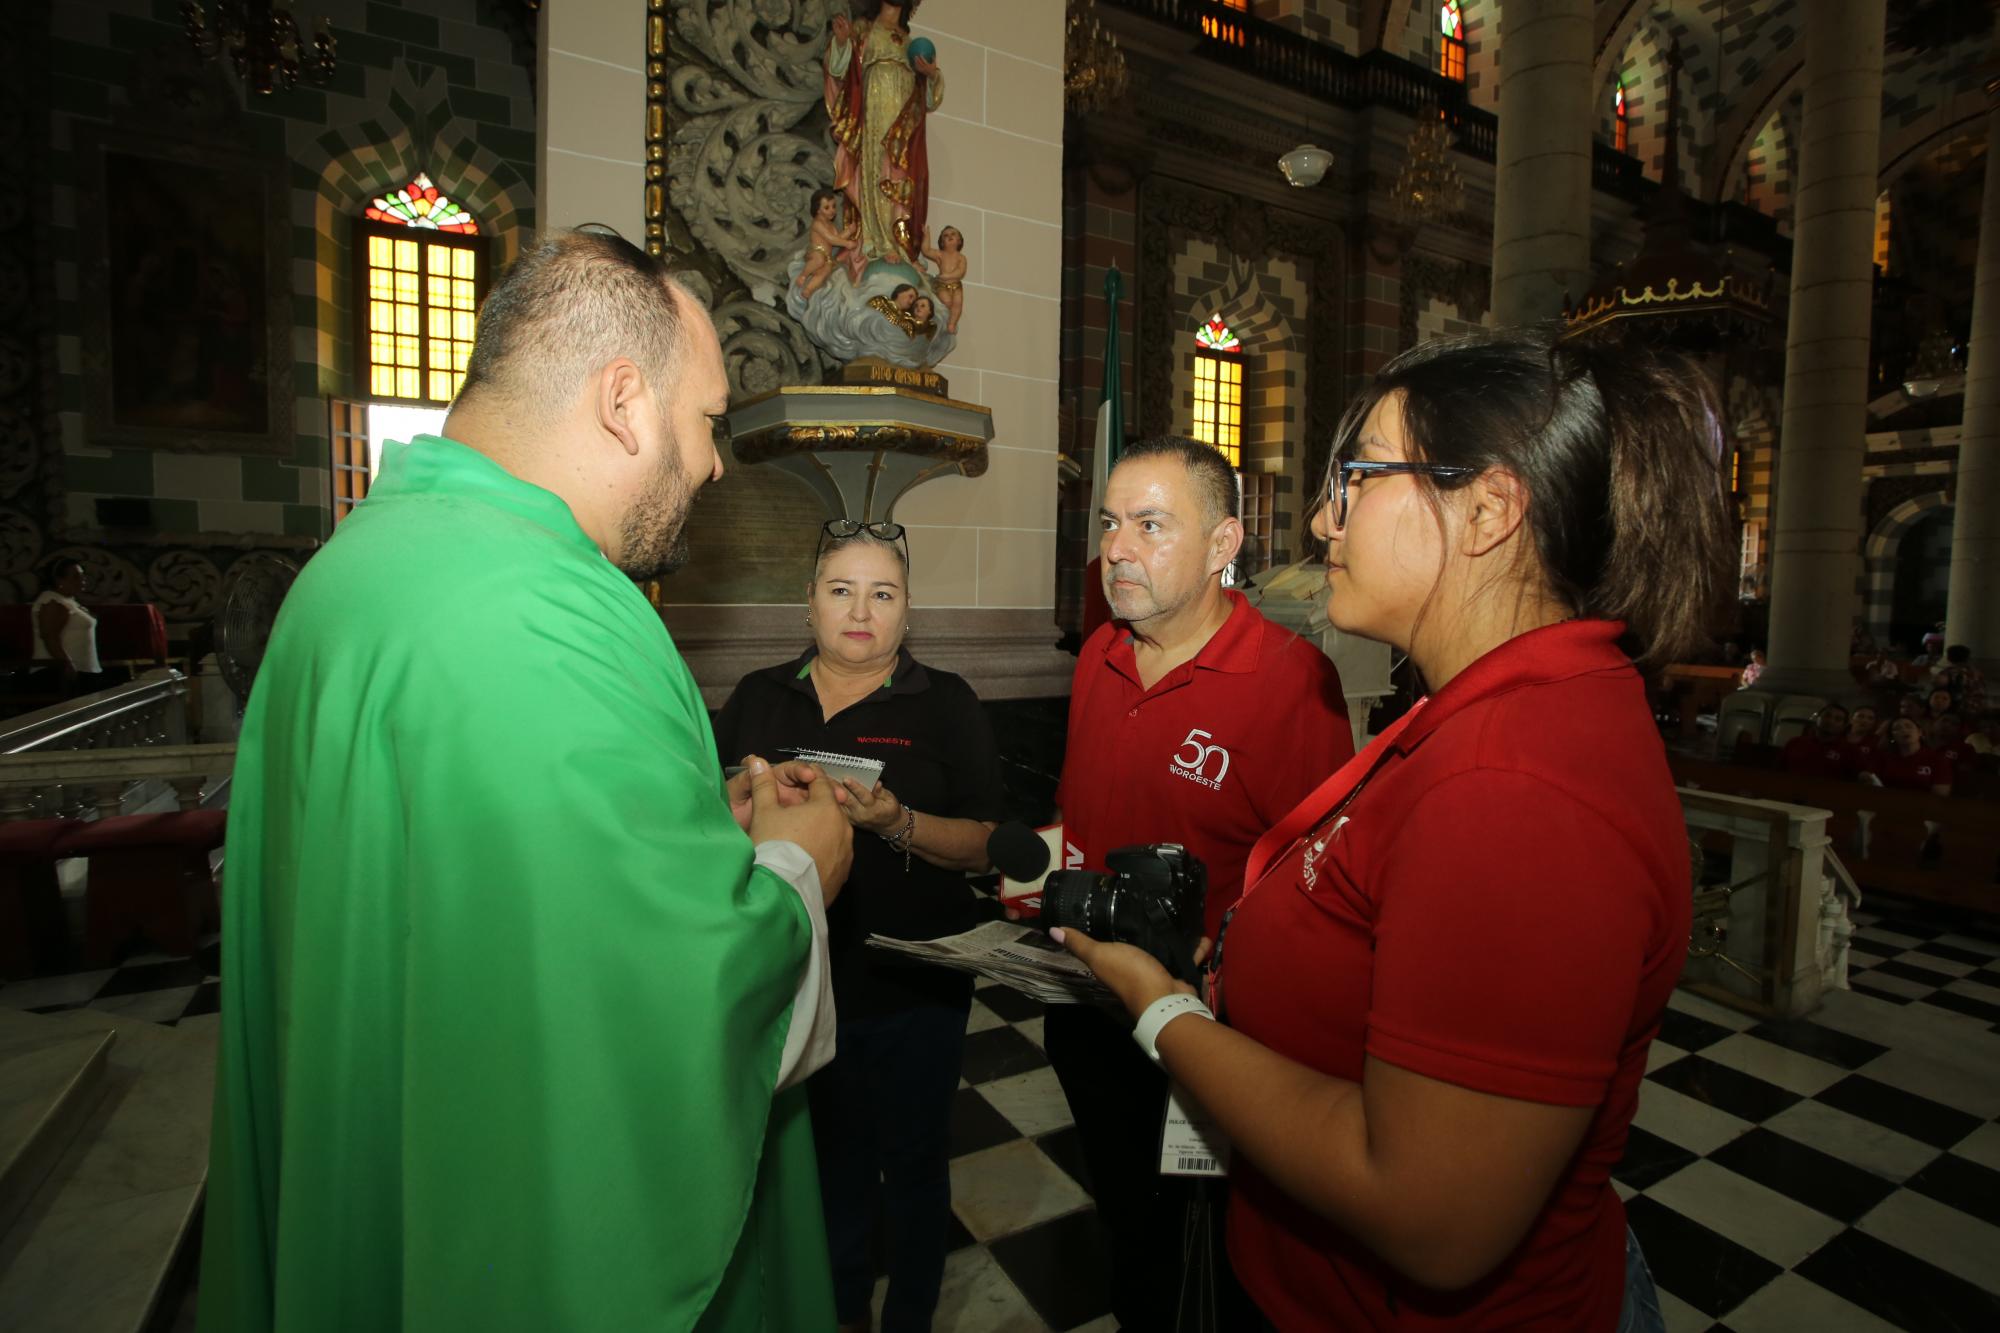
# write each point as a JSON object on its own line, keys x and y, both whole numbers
{"x": 1214, "y": 481}
{"x": 568, "y": 305}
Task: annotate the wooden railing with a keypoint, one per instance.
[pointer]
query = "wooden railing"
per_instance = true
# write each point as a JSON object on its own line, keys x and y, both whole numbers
{"x": 1941, "y": 849}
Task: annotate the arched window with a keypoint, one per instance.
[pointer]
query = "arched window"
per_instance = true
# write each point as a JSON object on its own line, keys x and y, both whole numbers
{"x": 1621, "y": 129}
{"x": 1451, "y": 54}
{"x": 420, "y": 269}
{"x": 1218, "y": 389}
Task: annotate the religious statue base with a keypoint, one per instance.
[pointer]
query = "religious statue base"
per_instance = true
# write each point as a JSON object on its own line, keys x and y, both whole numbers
{"x": 891, "y": 314}
{"x": 868, "y": 370}
{"x": 861, "y": 448}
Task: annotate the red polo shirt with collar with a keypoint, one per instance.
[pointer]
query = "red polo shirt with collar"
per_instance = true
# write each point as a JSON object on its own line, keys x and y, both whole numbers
{"x": 1503, "y": 905}
{"x": 1213, "y": 754}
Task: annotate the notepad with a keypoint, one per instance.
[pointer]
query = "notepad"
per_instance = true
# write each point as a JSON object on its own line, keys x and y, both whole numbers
{"x": 867, "y": 772}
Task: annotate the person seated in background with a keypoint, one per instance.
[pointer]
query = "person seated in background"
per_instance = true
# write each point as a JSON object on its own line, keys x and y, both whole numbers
{"x": 1884, "y": 670}
{"x": 1937, "y": 702}
{"x": 1754, "y": 669}
{"x": 1965, "y": 681}
{"x": 1914, "y": 707}
{"x": 1864, "y": 739}
{"x": 65, "y": 632}
{"x": 1821, "y": 752}
{"x": 1947, "y": 737}
{"x": 1908, "y": 764}
{"x": 1932, "y": 647}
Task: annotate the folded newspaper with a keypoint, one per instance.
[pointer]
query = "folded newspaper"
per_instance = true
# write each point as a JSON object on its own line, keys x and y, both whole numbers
{"x": 1011, "y": 954}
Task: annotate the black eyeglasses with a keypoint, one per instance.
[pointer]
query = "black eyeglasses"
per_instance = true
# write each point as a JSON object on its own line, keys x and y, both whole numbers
{"x": 840, "y": 529}
{"x": 1338, "y": 483}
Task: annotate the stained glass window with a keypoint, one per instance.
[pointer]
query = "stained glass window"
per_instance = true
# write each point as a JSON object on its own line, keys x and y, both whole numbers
{"x": 1215, "y": 336}
{"x": 419, "y": 204}
{"x": 421, "y": 268}
{"x": 1218, "y": 404}
{"x": 1451, "y": 54}
{"x": 1621, "y": 129}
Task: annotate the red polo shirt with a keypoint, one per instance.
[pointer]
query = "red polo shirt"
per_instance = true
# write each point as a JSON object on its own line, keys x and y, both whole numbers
{"x": 1212, "y": 755}
{"x": 1502, "y": 905}
{"x": 1921, "y": 771}
{"x": 1812, "y": 756}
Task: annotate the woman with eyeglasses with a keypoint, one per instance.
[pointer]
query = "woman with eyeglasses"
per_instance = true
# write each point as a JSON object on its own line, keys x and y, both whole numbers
{"x": 1435, "y": 994}
{"x": 882, "y": 1109}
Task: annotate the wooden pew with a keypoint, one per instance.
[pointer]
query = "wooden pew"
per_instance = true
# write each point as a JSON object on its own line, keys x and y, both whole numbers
{"x": 1694, "y": 690}
{"x": 1941, "y": 849}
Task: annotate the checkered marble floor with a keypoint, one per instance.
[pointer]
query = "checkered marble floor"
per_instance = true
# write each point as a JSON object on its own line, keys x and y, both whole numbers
{"x": 1834, "y": 1173}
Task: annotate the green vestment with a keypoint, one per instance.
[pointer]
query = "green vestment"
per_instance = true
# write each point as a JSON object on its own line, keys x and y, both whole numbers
{"x": 503, "y": 996}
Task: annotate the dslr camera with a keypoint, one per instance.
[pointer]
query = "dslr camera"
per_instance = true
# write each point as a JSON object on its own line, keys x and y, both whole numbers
{"x": 1150, "y": 897}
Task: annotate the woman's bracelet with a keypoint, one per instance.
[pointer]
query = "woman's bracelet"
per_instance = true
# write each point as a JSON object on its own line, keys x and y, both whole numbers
{"x": 1160, "y": 1013}
{"x": 903, "y": 837}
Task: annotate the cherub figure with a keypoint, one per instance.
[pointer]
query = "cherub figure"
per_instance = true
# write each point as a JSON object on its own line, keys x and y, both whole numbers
{"x": 921, "y": 321}
{"x": 824, "y": 238}
{"x": 949, "y": 256}
{"x": 896, "y": 307}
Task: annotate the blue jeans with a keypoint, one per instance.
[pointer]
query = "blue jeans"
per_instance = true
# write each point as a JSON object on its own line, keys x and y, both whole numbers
{"x": 882, "y": 1123}
{"x": 1642, "y": 1300}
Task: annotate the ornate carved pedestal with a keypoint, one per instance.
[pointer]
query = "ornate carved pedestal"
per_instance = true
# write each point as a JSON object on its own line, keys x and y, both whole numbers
{"x": 861, "y": 448}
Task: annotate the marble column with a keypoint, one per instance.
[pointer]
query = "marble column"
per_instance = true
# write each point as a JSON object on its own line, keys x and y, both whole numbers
{"x": 1816, "y": 535}
{"x": 1541, "y": 209}
{"x": 1972, "y": 615}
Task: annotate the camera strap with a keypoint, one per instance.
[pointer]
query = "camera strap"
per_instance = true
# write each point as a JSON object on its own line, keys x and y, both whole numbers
{"x": 1326, "y": 799}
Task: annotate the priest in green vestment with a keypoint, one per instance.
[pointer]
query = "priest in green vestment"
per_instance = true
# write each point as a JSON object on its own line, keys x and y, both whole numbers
{"x": 516, "y": 994}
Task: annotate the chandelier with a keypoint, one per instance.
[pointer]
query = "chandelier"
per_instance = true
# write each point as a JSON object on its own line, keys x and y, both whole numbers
{"x": 1094, "y": 73}
{"x": 261, "y": 40}
{"x": 1428, "y": 187}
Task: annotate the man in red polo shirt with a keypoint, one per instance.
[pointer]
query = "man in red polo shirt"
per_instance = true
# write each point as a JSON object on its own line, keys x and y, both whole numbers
{"x": 1821, "y": 752}
{"x": 1194, "y": 720}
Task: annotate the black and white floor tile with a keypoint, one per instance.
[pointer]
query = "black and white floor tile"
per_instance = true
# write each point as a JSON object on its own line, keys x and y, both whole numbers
{"x": 1835, "y": 1173}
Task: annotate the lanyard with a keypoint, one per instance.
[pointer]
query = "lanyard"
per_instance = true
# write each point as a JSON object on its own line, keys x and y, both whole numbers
{"x": 1345, "y": 784}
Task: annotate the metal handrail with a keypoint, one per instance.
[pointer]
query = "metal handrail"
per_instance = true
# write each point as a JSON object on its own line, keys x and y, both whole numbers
{"x": 45, "y": 727}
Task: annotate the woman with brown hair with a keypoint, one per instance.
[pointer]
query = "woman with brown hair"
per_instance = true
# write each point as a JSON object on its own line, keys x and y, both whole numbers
{"x": 1438, "y": 986}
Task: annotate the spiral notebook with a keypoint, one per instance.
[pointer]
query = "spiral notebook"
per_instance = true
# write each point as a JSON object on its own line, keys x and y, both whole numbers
{"x": 867, "y": 772}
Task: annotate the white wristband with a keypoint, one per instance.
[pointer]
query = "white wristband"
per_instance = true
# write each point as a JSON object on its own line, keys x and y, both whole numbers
{"x": 1162, "y": 1012}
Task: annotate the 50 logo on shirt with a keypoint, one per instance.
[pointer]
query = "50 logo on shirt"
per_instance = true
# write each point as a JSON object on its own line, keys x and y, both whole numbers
{"x": 1191, "y": 760}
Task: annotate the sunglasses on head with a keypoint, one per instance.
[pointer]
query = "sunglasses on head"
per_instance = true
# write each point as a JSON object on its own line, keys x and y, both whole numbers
{"x": 840, "y": 529}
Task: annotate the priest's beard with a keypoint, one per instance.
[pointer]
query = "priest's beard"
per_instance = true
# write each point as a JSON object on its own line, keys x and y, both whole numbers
{"x": 655, "y": 527}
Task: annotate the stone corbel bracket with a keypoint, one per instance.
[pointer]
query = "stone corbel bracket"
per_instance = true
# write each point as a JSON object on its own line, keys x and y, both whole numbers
{"x": 862, "y": 448}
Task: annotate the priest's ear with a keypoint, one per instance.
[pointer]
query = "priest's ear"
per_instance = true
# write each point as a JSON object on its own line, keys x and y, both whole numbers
{"x": 621, "y": 399}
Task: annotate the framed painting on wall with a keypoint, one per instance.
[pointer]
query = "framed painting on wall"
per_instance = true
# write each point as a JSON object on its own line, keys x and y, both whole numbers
{"x": 186, "y": 294}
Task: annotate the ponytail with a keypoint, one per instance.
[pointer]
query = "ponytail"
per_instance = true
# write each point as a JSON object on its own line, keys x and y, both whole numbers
{"x": 1619, "y": 449}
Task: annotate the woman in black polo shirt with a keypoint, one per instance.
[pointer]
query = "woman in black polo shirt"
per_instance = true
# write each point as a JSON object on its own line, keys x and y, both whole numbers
{"x": 882, "y": 1109}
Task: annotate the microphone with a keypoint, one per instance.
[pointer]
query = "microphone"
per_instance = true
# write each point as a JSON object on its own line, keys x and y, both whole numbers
{"x": 1018, "y": 852}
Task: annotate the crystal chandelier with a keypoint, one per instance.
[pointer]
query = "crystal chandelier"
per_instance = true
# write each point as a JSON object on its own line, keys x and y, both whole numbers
{"x": 261, "y": 40}
{"x": 1094, "y": 73}
{"x": 1428, "y": 187}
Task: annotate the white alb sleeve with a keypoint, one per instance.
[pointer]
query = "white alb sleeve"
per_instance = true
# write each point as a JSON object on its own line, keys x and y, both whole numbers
{"x": 809, "y": 1042}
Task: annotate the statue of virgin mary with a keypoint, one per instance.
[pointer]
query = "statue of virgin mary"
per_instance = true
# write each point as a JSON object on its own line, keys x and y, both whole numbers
{"x": 880, "y": 87}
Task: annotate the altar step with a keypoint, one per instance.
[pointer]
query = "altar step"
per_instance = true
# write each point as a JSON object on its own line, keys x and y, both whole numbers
{"x": 104, "y": 1124}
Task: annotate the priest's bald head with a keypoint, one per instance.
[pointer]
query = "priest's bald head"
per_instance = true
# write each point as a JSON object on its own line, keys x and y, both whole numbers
{"x": 597, "y": 376}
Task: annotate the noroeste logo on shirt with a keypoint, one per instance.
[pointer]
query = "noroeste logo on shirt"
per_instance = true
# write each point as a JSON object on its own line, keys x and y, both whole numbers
{"x": 1195, "y": 758}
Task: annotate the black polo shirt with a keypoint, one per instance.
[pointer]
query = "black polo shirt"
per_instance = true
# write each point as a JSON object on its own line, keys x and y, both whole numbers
{"x": 938, "y": 756}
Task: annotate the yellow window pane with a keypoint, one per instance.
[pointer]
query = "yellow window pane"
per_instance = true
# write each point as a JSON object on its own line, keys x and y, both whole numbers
{"x": 406, "y": 256}
{"x": 462, "y": 326}
{"x": 380, "y": 252}
{"x": 406, "y": 384}
{"x": 441, "y": 386}
{"x": 381, "y": 316}
{"x": 461, "y": 356}
{"x": 382, "y": 382}
{"x": 406, "y": 319}
{"x": 464, "y": 264}
{"x": 406, "y": 351}
{"x": 462, "y": 297}
{"x": 382, "y": 349}
{"x": 406, "y": 288}
{"x": 439, "y": 323}
{"x": 438, "y": 290}
{"x": 381, "y": 283}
